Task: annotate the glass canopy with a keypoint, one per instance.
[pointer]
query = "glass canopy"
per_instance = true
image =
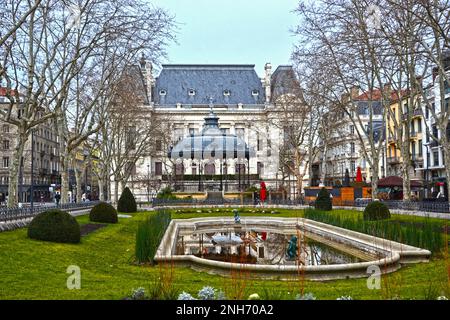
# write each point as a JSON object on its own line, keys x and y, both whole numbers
{"x": 211, "y": 143}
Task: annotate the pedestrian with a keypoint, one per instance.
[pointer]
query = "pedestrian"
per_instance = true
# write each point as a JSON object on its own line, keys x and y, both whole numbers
{"x": 57, "y": 198}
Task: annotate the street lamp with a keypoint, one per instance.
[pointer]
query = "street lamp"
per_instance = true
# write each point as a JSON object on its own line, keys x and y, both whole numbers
{"x": 32, "y": 172}
{"x": 148, "y": 182}
{"x": 86, "y": 158}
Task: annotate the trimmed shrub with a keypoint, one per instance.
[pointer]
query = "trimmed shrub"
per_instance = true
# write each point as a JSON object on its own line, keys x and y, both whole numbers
{"x": 376, "y": 210}
{"x": 323, "y": 201}
{"x": 55, "y": 226}
{"x": 103, "y": 212}
{"x": 127, "y": 203}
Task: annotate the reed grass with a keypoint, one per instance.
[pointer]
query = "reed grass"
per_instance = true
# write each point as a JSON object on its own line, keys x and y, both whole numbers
{"x": 427, "y": 236}
{"x": 149, "y": 234}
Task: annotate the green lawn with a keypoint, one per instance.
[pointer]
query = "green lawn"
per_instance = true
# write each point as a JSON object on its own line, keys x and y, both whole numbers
{"x": 32, "y": 269}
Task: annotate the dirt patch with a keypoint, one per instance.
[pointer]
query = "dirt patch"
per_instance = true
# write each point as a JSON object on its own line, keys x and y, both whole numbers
{"x": 90, "y": 227}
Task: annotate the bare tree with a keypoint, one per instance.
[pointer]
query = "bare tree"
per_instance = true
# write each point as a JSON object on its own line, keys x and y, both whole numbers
{"x": 341, "y": 33}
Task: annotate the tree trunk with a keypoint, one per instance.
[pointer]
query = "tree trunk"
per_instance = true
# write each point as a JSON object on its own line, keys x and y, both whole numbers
{"x": 446, "y": 151}
{"x": 374, "y": 180}
{"x": 14, "y": 170}
{"x": 406, "y": 181}
{"x": 123, "y": 184}
{"x": 65, "y": 180}
{"x": 108, "y": 194}
{"x": 101, "y": 193}
{"x": 323, "y": 168}
{"x": 78, "y": 182}
{"x": 299, "y": 186}
{"x": 116, "y": 189}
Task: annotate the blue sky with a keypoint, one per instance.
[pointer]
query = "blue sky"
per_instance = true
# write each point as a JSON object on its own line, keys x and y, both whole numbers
{"x": 232, "y": 31}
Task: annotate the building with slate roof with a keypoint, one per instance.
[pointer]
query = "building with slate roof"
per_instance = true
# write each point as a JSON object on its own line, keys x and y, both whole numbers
{"x": 243, "y": 102}
{"x": 345, "y": 150}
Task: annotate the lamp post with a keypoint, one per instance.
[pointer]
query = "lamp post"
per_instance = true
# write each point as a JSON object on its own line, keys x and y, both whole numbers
{"x": 86, "y": 158}
{"x": 32, "y": 172}
{"x": 148, "y": 182}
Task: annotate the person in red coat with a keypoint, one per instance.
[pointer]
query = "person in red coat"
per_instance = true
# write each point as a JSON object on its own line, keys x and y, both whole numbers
{"x": 263, "y": 192}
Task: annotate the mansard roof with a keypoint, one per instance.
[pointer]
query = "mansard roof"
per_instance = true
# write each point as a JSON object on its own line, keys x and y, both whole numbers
{"x": 195, "y": 84}
{"x": 284, "y": 81}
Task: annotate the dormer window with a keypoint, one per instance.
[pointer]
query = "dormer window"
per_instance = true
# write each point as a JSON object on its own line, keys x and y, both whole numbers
{"x": 226, "y": 93}
{"x": 191, "y": 92}
{"x": 255, "y": 93}
{"x": 162, "y": 92}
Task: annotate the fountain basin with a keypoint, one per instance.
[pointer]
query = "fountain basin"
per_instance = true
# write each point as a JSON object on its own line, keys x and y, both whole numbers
{"x": 371, "y": 251}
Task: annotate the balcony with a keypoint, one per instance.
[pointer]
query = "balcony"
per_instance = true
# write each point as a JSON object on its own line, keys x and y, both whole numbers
{"x": 417, "y": 159}
{"x": 433, "y": 144}
{"x": 393, "y": 160}
{"x": 416, "y": 113}
{"x": 413, "y": 134}
{"x": 392, "y": 139}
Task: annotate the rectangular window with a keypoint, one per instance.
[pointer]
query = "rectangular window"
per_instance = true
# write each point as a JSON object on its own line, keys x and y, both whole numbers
{"x": 419, "y": 126}
{"x": 435, "y": 158}
{"x": 5, "y": 128}
{"x": 420, "y": 148}
{"x": 260, "y": 168}
{"x": 352, "y": 147}
{"x": 434, "y": 131}
{"x": 240, "y": 132}
{"x": 131, "y": 138}
{"x": 158, "y": 168}
{"x": 5, "y": 162}
{"x": 352, "y": 166}
{"x": 194, "y": 170}
{"x": 158, "y": 145}
{"x": 178, "y": 134}
{"x": 5, "y": 144}
{"x": 258, "y": 142}
{"x": 352, "y": 129}
{"x": 269, "y": 147}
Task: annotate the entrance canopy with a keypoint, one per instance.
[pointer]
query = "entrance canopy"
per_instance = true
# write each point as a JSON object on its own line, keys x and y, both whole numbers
{"x": 394, "y": 181}
{"x": 211, "y": 144}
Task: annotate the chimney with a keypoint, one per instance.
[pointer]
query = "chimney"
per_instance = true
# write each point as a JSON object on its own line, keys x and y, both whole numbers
{"x": 345, "y": 98}
{"x": 146, "y": 69}
{"x": 267, "y": 80}
{"x": 354, "y": 92}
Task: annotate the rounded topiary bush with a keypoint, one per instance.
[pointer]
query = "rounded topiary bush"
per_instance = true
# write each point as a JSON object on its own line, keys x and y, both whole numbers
{"x": 127, "y": 203}
{"x": 103, "y": 212}
{"x": 323, "y": 201}
{"x": 376, "y": 210}
{"x": 56, "y": 226}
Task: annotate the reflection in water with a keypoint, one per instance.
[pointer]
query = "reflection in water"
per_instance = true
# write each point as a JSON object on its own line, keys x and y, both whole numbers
{"x": 259, "y": 247}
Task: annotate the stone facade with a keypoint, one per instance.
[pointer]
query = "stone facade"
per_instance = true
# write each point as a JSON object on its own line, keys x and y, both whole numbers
{"x": 245, "y": 105}
{"x": 46, "y": 159}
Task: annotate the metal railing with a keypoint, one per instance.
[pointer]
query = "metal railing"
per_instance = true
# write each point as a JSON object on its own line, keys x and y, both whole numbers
{"x": 10, "y": 214}
{"x": 420, "y": 206}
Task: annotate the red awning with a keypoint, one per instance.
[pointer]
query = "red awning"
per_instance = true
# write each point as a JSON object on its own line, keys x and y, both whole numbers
{"x": 394, "y": 181}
